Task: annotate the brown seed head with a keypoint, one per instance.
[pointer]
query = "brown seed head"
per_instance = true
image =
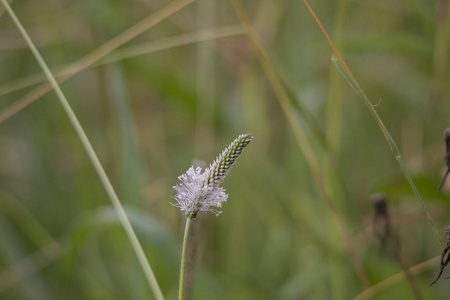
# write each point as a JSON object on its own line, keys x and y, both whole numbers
{"x": 447, "y": 134}
{"x": 447, "y": 147}
{"x": 379, "y": 204}
{"x": 380, "y": 222}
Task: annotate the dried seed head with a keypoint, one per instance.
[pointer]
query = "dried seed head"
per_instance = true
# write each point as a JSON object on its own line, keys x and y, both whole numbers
{"x": 379, "y": 204}
{"x": 447, "y": 133}
{"x": 380, "y": 223}
{"x": 447, "y": 155}
{"x": 447, "y": 147}
{"x": 199, "y": 189}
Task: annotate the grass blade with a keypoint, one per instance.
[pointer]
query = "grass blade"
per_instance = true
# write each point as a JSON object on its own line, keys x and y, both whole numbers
{"x": 302, "y": 139}
{"x": 93, "y": 157}
{"x": 95, "y": 55}
{"x": 382, "y": 285}
{"x": 391, "y": 143}
{"x": 130, "y": 52}
{"x": 345, "y": 71}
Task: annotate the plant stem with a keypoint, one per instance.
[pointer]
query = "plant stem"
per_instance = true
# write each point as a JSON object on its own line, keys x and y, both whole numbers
{"x": 303, "y": 141}
{"x": 390, "y": 281}
{"x": 94, "y": 56}
{"x": 187, "y": 230}
{"x": 354, "y": 84}
{"x": 93, "y": 157}
{"x": 345, "y": 71}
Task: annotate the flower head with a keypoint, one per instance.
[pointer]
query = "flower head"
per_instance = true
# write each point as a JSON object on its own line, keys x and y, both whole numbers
{"x": 199, "y": 189}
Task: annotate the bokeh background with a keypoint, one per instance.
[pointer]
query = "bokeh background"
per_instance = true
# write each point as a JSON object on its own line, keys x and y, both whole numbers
{"x": 181, "y": 91}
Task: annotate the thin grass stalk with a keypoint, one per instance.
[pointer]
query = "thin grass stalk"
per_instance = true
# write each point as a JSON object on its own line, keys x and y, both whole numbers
{"x": 409, "y": 277}
{"x": 25, "y": 220}
{"x": 396, "y": 278}
{"x": 205, "y": 81}
{"x": 93, "y": 157}
{"x": 205, "y": 98}
{"x": 343, "y": 68}
{"x": 95, "y": 55}
{"x": 391, "y": 143}
{"x": 333, "y": 124}
{"x": 130, "y": 52}
{"x": 441, "y": 52}
{"x": 335, "y": 87}
{"x": 32, "y": 264}
{"x": 187, "y": 230}
{"x": 2, "y": 11}
{"x": 302, "y": 140}
{"x": 15, "y": 249}
{"x": 50, "y": 249}
{"x": 299, "y": 107}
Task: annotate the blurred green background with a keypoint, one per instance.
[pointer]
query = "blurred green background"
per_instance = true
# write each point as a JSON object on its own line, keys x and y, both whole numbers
{"x": 179, "y": 93}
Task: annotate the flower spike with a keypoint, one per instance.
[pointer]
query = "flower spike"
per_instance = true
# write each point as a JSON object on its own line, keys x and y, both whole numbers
{"x": 220, "y": 168}
{"x": 199, "y": 189}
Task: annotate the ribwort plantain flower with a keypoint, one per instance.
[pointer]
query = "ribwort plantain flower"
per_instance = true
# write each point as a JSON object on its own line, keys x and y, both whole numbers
{"x": 199, "y": 189}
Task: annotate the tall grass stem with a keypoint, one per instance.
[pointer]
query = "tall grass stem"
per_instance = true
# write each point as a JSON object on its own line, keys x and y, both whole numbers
{"x": 396, "y": 278}
{"x": 354, "y": 84}
{"x": 131, "y": 52}
{"x": 335, "y": 87}
{"x": 93, "y": 157}
{"x": 205, "y": 80}
{"x": 95, "y": 55}
{"x": 302, "y": 139}
{"x": 344, "y": 69}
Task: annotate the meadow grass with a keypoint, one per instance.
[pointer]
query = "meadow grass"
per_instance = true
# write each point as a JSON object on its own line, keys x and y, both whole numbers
{"x": 298, "y": 222}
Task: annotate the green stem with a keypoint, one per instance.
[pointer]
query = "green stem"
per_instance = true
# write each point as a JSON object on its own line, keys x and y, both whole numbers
{"x": 93, "y": 157}
{"x": 391, "y": 143}
{"x": 187, "y": 229}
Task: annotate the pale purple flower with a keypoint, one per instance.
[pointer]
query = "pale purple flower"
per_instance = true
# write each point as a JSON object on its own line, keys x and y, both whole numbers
{"x": 199, "y": 189}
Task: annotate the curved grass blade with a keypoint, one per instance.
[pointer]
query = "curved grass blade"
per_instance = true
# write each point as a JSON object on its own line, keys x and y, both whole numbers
{"x": 93, "y": 157}
{"x": 303, "y": 141}
{"x": 351, "y": 80}
{"x": 94, "y": 56}
{"x": 396, "y": 278}
{"x": 345, "y": 71}
{"x": 125, "y": 53}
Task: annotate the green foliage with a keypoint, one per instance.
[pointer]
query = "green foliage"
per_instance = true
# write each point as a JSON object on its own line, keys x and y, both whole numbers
{"x": 276, "y": 238}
